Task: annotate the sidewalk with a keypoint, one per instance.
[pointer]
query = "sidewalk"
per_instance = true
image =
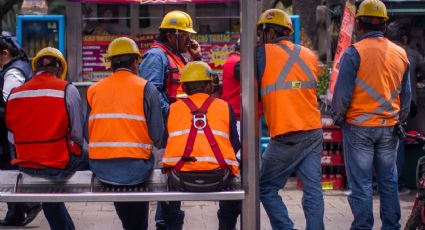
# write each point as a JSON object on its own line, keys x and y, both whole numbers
{"x": 202, "y": 215}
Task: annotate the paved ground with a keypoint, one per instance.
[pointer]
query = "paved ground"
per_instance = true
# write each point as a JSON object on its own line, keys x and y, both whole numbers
{"x": 202, "y": 215}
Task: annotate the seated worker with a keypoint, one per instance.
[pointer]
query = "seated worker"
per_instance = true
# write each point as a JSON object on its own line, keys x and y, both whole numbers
{"x": 48, "y": 142}
{"x": 125, "y": 123}
{"x": 202, "y": 141}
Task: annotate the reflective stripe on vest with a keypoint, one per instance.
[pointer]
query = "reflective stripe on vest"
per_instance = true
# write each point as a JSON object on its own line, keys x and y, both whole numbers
{"x": 201, "y": 159}
{"x": 384, "y": 104}
{"x": 186, "y": 131}
{"x": 38, "y": 93}
{"x": 116, "y": 115}
{"x": 117, "y": 122}
{"x": 281, "y": 83}
{"x": 120, "y": 144}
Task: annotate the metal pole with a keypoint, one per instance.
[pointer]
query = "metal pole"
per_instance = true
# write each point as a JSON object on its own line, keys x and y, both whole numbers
{"x": 250, "y": 144}
{"x": 73, "y": 43}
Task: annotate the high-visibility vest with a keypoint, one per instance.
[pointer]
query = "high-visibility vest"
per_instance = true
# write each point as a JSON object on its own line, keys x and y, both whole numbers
{"x": 375, "y": 100}
{"x": 117, "y": 122}
{"x": 37, "y": 116}
{"x": 231, "y": 87}
{"x": 288, "y": 89}
{"x": 178, "y": 126}
{"x": 176, "y": 64}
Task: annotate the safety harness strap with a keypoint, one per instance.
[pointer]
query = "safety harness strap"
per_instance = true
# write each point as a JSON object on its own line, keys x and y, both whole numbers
{"x": 194, "y": 130}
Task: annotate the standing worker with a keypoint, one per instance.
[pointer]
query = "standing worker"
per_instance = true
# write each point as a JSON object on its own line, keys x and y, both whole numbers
{"x": 372, "y": 95}
{"x": 161, "y": 66}
{"x": 49, "y": 141}
{"x": 15, "y": 70}
{"x": 202, "y": 142}
{"x": 288, "y": 78}
{"x": 125, "y": 123}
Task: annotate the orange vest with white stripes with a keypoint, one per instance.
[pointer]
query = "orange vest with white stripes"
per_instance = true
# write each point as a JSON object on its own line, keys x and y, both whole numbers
{"x": 375, "y": 100}
{"x": 117, "y": 122}
{"x": 37, "y": 116}
{"x": 288, "y": 89}
{"x": 178, "y": 126}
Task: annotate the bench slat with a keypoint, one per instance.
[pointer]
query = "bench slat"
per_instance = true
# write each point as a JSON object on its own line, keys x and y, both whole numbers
{"x": 112, "y": 197}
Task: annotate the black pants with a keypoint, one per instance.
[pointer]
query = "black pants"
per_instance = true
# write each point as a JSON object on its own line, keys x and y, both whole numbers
{"x": 133, "y": 215}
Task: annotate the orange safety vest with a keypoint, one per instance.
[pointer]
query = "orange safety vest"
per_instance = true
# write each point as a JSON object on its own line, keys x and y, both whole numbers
{"x": 176, "y": 64}
{"x": 375, "y": 100}
{"x": 117, "y": 122}
{"x": 178, "y": 126}
{"x": 37, "y": 116}
{"x": 288, "y": 89}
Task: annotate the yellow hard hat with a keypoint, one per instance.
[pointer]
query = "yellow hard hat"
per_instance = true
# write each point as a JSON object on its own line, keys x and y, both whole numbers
{"x": 178, "y": 20}
{"x": 196, "y": 71}
{"x": 121, "y": 46}
{"x": 51, "y": 52}
{"x": 372, "y": 8}
{"x": 276, "y": 17}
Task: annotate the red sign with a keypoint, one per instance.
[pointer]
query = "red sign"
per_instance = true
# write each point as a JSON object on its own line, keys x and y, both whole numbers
{"x": 344, "y": 40}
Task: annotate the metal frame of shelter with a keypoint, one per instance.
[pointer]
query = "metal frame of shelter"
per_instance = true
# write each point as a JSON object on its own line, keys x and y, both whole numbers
{"x": 250, "y": 134}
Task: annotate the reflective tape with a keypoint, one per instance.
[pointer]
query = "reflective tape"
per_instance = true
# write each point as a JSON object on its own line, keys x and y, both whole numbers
{"x": 38, "y": 93}
{"x": 186, "y": 131}
{"x": 120, "y": 144}
{"x": 201, "y": 159}
{"x": 281, "y": 83}
{"x": 384, "y": 104}
{"x": 116, "y": 115}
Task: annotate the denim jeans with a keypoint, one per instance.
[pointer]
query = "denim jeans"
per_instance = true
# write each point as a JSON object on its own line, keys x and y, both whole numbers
{"x": 169, "y": 216}
{"x": 299, "y": 152}
{"x": 401, "y": 161}
{"x": 228, "y": 213}
{"x": 133, "y": 215}
{"x": 56, "y": 213}
{"x": 365, "y": 149}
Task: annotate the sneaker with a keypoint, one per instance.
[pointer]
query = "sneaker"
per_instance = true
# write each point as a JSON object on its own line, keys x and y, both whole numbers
{"x": 403, "y": 191}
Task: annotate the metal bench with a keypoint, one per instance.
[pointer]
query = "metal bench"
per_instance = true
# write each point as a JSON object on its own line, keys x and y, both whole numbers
{"x": 83, "y": 186}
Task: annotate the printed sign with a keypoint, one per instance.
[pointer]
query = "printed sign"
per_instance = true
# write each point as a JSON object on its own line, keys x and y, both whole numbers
{"x": 344, "y": 40}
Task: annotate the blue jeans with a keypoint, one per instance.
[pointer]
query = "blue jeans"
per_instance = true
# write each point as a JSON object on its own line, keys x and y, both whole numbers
{"x": 228, "y": 213}
{"x": 299, "y": 152}
{"x": 133, "y": 215}
{"x": 401, "y": 161}
{"x": 56, "y": 213}
{"x": 168, "y": 214}
{"x": 365, "y": 149}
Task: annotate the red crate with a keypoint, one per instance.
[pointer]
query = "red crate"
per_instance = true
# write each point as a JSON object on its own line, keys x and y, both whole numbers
{"x": 332, "y": 135}
{"x": 335, "y": 183}
{"x": 332, "y": 160}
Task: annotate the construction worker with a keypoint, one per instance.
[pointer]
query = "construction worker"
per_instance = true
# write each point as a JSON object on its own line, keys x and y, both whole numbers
{"x": 194, "y": 123}
{"x": 161, "y": 65}
{"x": 49, "y": 141}
{"x": 372, "y": 95}
{"x": 287, "y": 75}
{"x": 125, "y": 123}
{"x": 15, "y": 70}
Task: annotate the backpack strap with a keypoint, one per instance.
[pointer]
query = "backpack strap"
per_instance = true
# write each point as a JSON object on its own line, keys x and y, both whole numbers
{"x": 199, "y": 122}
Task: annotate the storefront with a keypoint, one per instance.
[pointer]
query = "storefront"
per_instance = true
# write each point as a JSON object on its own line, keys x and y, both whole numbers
{"x": 92, "y": 24}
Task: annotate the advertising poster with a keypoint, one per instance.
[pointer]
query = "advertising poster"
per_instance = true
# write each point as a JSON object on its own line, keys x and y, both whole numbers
{"x": 344, "y": 41}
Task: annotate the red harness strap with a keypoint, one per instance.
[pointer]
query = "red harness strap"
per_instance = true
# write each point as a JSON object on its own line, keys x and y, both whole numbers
{"x": 196, "y": 124}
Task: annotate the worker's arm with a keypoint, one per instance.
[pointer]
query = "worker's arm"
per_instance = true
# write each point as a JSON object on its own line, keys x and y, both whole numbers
{"x": 154, "y": 68}
{"x": 76, "y": 114}
{"x": 153, "y": 114}
{"x": 234, "y": 135}
{"x": 405, "y": 95}
{"x": 343, "y": 91}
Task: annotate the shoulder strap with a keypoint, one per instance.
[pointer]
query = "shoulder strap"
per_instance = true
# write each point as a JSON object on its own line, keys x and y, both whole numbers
{"x": 194, "y": 130}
